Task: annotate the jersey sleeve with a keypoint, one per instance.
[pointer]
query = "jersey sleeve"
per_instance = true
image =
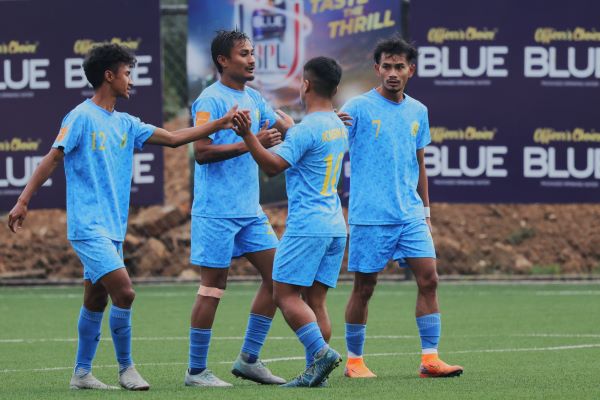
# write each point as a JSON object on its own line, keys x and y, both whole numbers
{"x": 351, "y": 109}
{"x": 71, "y": 130}
{"x": 206, "y": 109}
{"x": 423, "y": 136}
{"x": 295, "y": 145}
{"x": 140, "y": 131}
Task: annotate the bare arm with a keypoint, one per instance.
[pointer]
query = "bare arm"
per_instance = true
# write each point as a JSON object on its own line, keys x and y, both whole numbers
{"x": 422, "y": 186}
{"x": 206, "y": 152}
{"x": 284, "y": 123}
{"x": 270, "y": 163}
{"x": 182, "y": 136}
{"x": 40, "y": 176}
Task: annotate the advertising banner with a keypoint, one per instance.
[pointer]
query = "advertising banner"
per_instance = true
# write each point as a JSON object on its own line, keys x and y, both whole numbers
{"x": 513, "y": 89}
{"x": 286, "y": 34}
{"x": 42, "y": 46}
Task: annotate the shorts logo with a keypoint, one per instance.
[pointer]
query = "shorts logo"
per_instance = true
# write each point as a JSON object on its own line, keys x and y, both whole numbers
{"x": 277, "y": 29}
{"x": 414, "y": 128}
{"x": 62, "y": 133}
{"x": 202, "y": 117}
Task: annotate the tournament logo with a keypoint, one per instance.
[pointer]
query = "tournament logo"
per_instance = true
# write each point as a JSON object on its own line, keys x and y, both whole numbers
{"x": 277, "y": 29}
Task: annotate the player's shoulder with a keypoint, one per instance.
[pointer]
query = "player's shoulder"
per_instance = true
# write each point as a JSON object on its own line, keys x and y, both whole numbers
{"x": 355, "y": 103}
{"x": 80, "y": 113}
{"x": 254, "y": 94}
{"x": 414, "y": 103}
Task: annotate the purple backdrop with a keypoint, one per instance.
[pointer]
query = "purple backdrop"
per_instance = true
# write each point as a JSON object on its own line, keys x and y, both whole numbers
{"x": 513, "y": 90}
{"x": 42, "y": 45}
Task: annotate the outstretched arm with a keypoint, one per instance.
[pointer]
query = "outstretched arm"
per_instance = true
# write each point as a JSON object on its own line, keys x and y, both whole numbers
{"x": 40, "y": 176}
{"x": 183, "y": 136}
{"x": 270, "y": 163}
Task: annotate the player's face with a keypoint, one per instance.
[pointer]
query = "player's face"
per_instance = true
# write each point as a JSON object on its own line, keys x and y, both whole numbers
{"x": 240, "y": 65}
{"x": 121, "y": 82}
{"x": 394, "y": 71}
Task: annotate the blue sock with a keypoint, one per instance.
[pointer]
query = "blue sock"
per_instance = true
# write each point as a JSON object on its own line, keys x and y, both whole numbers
{"x": 430, "y": 327}
{"x": 256, "y": 332}
{"x": 355, "y": 339}
{"x": 199, "y": 344}
{"x": 88, "y": 329}
{"x": 311, "y": 337}
{"x": 120, "y": 328}
{"x": 309, "y": 358}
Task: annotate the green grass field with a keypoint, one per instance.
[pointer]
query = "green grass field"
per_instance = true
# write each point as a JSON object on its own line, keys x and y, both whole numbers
{"x": 515, "y": 341}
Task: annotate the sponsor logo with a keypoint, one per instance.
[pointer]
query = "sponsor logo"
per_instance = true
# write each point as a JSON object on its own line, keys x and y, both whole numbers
{"x": 277, "y": 29}
{"x": 440, "y": 134}
{"x": 17, "y": 47}
{"x": 202, "y": 117}
{"x": 83, "y": 46}
{"x": 579, "y": 34}
{"x": 440, "y": 35}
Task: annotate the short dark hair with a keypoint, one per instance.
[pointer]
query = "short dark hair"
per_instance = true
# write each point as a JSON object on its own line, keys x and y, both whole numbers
{"x": 395, "y": 45}
{"x": 105, "y": 57}
{"x": 325, "y": 74}
{"x": 223, "y": 43}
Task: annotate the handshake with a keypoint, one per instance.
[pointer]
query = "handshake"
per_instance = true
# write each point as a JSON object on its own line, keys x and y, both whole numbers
{"x": 240, "y": 122}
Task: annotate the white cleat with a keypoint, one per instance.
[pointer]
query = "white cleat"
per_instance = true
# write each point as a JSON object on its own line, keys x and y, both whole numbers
{"x": 89, "y": 381}
{"x": 204, "y": 379}
{"x": 130, "y": 379}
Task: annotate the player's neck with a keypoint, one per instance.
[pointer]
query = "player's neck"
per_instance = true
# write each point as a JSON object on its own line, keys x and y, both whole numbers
{"x": 105, "y": 100}
{"x": 318, "y": 104}
{"x": 396, "y": 97}
{"x": 232, "y": 83}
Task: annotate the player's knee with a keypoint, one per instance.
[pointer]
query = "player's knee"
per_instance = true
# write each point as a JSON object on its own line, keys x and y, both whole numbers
{"x": 96, "y": 303}
{"x": 124, "y": 297}
{"x": 365, "y": 292}
{"x": 429, "y": 283}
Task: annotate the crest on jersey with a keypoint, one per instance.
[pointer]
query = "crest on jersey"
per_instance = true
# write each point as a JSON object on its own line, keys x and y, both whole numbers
{"x": 414, "y": 128}
{"x": 277, "y": 29}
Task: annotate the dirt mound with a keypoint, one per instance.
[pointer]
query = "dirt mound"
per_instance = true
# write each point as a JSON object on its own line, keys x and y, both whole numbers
{"x": 470, "y": 239}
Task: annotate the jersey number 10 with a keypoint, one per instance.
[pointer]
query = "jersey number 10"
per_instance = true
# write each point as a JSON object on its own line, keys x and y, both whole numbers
{"x": 330, "y": 183}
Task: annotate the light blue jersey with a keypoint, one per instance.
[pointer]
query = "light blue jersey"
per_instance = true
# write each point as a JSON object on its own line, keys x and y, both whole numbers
{"x": 314, "y": 149}
{"x": 384, "y": 172}
{"x": 98, "y": 147}
{"x": 229, "y": 188}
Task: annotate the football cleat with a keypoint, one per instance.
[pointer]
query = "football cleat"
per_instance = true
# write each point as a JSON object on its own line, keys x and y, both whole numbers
{"x": 436, "y": 368}
{"x": 356, "y": 368}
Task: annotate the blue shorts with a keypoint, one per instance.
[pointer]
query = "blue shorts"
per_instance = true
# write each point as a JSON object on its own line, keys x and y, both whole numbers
{"x": 216, "y": 240}
{"x": 99, "y": 256}
{"x": 302, "y": 260}
{"x": 372, "y": 246}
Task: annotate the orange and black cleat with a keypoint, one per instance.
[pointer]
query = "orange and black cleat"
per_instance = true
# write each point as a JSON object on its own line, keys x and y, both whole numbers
{"x": 356, "y": 368}
{"x": 433, "y": 367}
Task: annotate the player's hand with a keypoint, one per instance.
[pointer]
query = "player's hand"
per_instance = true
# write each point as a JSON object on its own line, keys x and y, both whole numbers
{"x": 287, "y": 120}
{"x": 16, "y": 216}
{"x": 268, "y": 137}
{"x": 428, "y": 221}
{"x": 345, "y": 117}
{"x": 242, "y": 124}
{"x": 227, "y": 120}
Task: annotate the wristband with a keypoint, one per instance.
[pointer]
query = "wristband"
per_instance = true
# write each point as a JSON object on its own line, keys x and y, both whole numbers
{"x": 427, "y": 211}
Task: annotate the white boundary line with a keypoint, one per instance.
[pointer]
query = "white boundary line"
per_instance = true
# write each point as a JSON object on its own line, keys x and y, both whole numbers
{"x": 225, "y": 338}
{"x": 283, "y": 359}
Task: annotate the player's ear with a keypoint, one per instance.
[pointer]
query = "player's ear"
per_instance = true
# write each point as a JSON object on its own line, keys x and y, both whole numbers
{"x": 376, "y": 68}
{"x": 222, "y": 60}
{"x": 306, "y": 86}
{"x": 109, "y": 76}
{"x": 411, "y": 69}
